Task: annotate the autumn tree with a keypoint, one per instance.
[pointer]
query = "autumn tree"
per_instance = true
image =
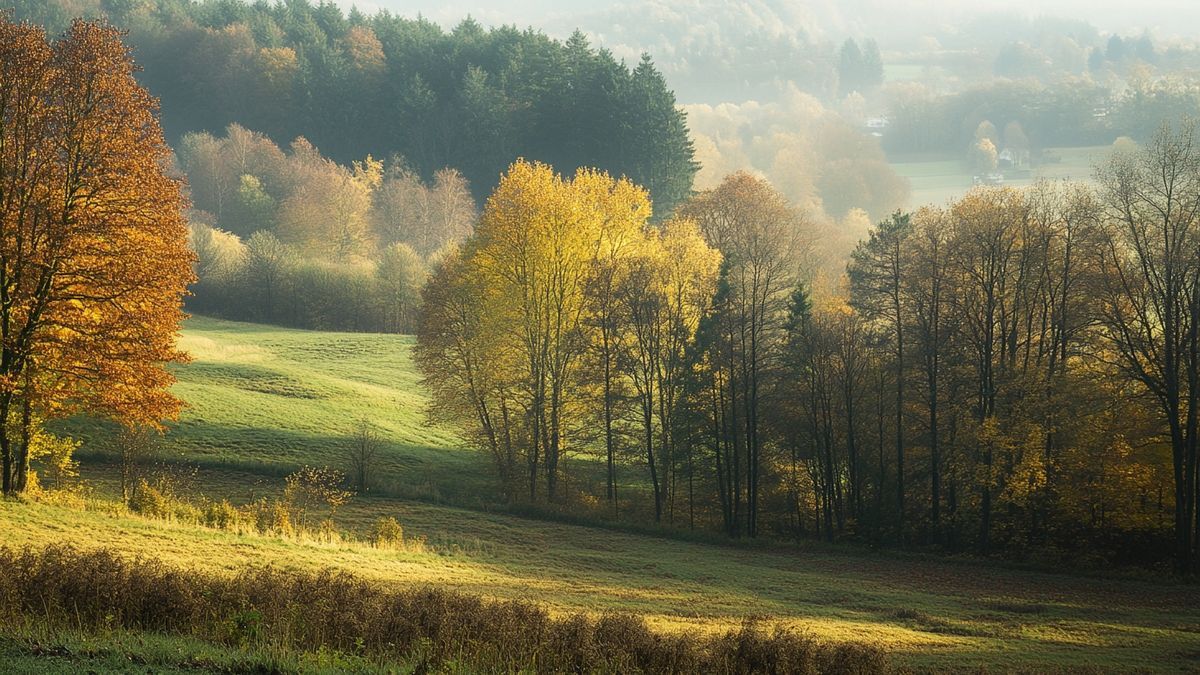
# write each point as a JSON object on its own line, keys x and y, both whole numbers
{"x": 621, "y": 242}
{"x": 267, "y": 267}
{"x": 983, "y": 156}
{"x": 327, "y": 212}
{"x": 1152, "y": 298}
{"x": 469, "y": 366}
{"x": 93, "y": 247}
{"x": 876, "y": 271}
{"x": 237, "y": 177}
{"x": 535, "y": 244}
{"x": 531, "y": 261}
{"x": 135, "y": 447}
{"x": 427, "y": 217}
{"x": 662, "y": 299}
{"x": 762, "y": 238}
{"x": 987, "y": 259}
{"x": 219, "y": 254}
{"x": 401, "y": 273}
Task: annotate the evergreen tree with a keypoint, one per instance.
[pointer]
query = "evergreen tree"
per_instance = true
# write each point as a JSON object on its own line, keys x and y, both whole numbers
{"x": 474, "y": 99}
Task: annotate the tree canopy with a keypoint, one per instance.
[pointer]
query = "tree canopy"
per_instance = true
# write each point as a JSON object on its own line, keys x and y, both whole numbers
{"x": 93, "y": 244}
{"x": 473, "y": 99}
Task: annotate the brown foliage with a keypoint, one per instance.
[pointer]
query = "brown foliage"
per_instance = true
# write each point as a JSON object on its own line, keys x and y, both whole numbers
{"x": 93, "y": 246}
{"x": 425, "y": 627}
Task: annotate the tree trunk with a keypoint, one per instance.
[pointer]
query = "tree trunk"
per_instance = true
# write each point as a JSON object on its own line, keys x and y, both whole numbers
{"x": 21, "y": 481}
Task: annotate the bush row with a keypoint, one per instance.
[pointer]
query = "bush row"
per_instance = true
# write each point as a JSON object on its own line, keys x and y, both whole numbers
{"x": 424, "y": 628}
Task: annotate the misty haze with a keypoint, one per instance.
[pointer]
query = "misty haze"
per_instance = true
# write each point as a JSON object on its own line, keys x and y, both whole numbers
{"x": 552, "y": 336}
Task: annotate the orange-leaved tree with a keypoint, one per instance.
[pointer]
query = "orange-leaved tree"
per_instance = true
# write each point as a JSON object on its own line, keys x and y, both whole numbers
{"x": 94, "y": 260}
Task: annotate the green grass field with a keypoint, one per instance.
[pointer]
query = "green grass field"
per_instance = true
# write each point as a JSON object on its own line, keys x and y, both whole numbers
{"x": 263, "y": 399}
{"x": 71, "y": 652}
{"x": 938, "y": 180}
{"x": 269, "y": 400}
{"x": 925, "y": 613}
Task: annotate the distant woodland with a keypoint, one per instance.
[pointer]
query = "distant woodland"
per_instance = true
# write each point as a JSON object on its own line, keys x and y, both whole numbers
{"x": 385, "y": 85}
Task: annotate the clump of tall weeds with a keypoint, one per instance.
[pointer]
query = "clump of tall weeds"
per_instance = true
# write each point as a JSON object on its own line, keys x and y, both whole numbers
{"x": 424, "y": 628}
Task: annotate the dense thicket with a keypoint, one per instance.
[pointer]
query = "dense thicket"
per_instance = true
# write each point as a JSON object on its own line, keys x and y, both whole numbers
{"x": 1016, "y": 372}
{"x": 473, "y": 99}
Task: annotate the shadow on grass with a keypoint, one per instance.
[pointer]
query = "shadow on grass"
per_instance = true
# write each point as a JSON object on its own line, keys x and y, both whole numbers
{"x": 402, "y": 471}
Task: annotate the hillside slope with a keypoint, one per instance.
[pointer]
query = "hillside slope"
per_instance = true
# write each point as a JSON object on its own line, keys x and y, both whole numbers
{"x": 926, "y": 614}
{"x": 268, "y": 400}
{"x": 263, "y": 399}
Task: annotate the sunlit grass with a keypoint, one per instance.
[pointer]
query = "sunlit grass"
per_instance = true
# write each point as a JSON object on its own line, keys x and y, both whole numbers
{"x": 926, "y": 613}
{"x": 272, "y": 399}
{"x": 264, "y": 399}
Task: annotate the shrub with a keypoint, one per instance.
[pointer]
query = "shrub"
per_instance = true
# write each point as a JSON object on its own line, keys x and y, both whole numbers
{"x": 148, "y": 500}
{"x": 428, "y": 629}
{"x": 270, "y": 517}
{"x": 220, "y": 515}
{"x": 387, "y": 533}
{"x": 310, "y": 488}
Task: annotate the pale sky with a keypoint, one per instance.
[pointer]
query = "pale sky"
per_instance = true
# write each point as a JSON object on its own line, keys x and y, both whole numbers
{"x": 833, "y": 18}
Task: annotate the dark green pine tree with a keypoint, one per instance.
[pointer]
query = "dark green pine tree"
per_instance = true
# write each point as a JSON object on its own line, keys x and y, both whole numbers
{"x": 872, "y": 65}
{"x": 660, "y": 153}
{"x": 607, "y": 124}
{"x": 850, "y": 67}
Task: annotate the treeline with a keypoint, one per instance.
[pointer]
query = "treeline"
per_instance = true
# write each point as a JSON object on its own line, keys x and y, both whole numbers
{"x": 1069, "y": 113}
{"x": 298, "y": 239}
{"x": 1018, "y": 372}
{"x": 1062, "y": 51}
{"x": 473, "y": 98}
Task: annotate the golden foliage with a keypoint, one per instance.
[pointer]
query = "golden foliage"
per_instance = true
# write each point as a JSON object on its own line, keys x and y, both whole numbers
{"x": 93, "y": 243}
{"x": 509, "y": 321}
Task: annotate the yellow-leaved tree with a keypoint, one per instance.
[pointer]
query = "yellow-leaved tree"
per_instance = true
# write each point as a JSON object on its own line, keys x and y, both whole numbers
{"x": 564, "y": 301}
{"x": 667, "y": 289}
{"x": 94, "y": 259}
{"x": 535, "y": 246}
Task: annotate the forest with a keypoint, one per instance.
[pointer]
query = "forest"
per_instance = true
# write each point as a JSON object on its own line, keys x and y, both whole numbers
{"x": 334, "y": 341}
{"x": 984, "y": 375}
{"x": 1011, "y": 372}
{"x": 384, "y": 85}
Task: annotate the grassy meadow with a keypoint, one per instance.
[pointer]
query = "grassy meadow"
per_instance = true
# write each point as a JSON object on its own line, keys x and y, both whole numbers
{"x": 927, "y": 614}
{"x": 74, "y": 651}
{"x": 938, "y": 180}
{"x": 263, "y": 399}
{"x": 266, "y": 400}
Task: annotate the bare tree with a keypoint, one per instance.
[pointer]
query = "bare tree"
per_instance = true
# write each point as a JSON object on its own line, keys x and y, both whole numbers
{"x": 138, "y": 446}
{"x": 362, "y": 454}
{"x": 1152, "y": 285}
